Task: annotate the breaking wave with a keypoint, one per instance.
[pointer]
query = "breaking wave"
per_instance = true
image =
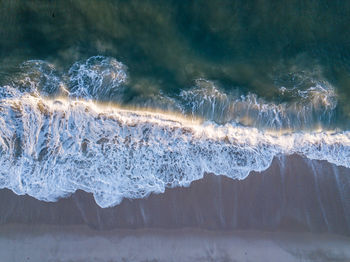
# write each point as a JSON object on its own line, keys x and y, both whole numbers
{"x": 97, "y": 78}
{"x": 55, "y": 138}
{"x": 310, "y": 107}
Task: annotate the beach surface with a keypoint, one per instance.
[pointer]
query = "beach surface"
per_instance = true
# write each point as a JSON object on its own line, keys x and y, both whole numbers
{"x": 79, "y": 243}
{"x": 293, "y": 194}
{"x": 289, "y": 212}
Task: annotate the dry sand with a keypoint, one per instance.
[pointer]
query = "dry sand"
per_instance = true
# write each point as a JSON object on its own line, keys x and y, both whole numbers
{"x": 79, "y": 243}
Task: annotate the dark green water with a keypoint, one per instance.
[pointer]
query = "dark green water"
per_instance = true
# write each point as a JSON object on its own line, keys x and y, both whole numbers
{"x": 242, "y": 47}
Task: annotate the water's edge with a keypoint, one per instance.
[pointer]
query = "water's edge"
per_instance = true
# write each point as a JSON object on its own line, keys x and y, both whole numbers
{"x": 293, "y": 194}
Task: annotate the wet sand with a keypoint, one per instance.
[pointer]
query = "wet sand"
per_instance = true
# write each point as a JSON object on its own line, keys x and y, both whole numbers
{"x": 294, "y": 194}
{"x": 294, "y": 211}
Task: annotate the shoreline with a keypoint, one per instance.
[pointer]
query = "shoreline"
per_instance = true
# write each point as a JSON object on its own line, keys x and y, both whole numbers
{"x": 296, "y": 210}
{"x": 289, "y": 196}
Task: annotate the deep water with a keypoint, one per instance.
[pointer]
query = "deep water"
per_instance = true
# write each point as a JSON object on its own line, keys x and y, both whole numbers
{"x": 249, "y": 48}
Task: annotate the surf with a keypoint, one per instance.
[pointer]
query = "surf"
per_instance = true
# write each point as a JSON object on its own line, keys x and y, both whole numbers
{"x": 50, "y": 148}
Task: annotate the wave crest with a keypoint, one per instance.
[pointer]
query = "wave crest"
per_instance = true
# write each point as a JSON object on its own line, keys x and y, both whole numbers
{"x": 98, "y": 78}
{"x": 311, "y": 107}
{"x": 299, "y": 106}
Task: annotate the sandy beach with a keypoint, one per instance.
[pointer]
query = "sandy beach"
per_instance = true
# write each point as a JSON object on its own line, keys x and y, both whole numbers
{"x": 286, "y": 213}
{"x": 288, "y": 196}
{"x": 79, "y": 243}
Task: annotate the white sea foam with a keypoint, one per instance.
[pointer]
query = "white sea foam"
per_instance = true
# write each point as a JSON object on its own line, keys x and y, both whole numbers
{"x": 310, "y": 106}
{"x": 105, "y": 79}
{"x": 39, "y": 77}
{"x": 98, "y": 77}
{"x": 50, "y": 148}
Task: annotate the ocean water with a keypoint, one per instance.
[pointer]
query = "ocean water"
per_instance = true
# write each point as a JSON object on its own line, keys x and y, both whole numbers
{"x": 122, "y": 99}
